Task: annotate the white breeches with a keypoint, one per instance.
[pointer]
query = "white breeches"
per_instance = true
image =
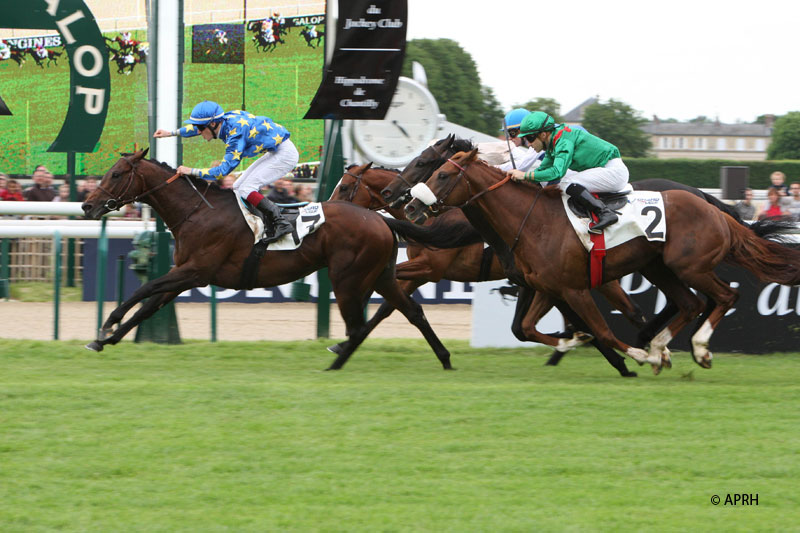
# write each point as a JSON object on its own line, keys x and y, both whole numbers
{"x": 267, "y": 169}
{"x": 611, "y": 178}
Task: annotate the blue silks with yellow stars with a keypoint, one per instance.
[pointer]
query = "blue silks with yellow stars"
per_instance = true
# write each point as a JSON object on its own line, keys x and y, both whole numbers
{"x": 244, "y": 135}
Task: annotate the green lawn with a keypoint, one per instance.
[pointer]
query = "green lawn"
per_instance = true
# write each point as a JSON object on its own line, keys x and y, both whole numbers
{"x": 255, "y": 437}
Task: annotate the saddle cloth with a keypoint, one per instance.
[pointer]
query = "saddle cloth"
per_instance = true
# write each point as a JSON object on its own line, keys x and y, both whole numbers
{"x": 305, "y": 219}
{"x": 642, "y": 215}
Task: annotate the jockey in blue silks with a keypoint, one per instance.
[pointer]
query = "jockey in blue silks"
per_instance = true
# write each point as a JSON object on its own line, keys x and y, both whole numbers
{"x": 244, "y": 135}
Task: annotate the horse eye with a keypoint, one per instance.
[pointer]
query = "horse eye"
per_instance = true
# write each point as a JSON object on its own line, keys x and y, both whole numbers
{"x": 115, "y": 175}
{"x": 420, "y": 163}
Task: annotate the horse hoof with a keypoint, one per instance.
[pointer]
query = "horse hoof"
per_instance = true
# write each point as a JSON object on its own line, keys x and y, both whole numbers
{"x": 336, "y": 348}
{"x": 332, "y": 368}
{"x": 657, "y": 369}
{"x": 630, "y": 375}
{"x": 94, "y": 346}
{"x": 449, "y": 368}
{"x": 705, "y": 363}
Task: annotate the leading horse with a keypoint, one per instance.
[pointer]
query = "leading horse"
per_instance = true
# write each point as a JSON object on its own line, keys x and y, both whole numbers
{"x": 699, "y": 237}
{"x": 211, "y": 247}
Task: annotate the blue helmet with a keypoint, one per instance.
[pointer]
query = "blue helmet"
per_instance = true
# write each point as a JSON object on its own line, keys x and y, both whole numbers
{"x": 205, "y": 112}
{"x": 514, "y": 118}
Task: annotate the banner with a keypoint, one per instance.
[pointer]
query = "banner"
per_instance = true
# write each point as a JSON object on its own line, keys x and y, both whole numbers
{"x": 362, "y": 76}
{"x": 218, "y": 43}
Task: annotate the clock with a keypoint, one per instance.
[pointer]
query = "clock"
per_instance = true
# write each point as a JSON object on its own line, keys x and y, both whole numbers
{"x": 409, "y": 126}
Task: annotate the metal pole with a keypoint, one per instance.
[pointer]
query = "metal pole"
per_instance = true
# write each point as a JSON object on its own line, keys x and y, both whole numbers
{"x": 120, "y": 279}
{"x": 102, "y": 256}
{"x": 56, "y": 282}
{"x": 5, "y": 261}
{"x": 213, "y": 313}
{"x": 73, "y": 197}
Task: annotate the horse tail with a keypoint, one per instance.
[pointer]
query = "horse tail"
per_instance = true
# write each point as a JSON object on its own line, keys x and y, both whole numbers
{"x": 722, "y": 206}
{"x": 440, "y": 234}
{"x": 769, "y": 261}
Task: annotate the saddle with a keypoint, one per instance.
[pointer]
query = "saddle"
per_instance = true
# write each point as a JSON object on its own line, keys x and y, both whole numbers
{"x": 289, "y": 211}
{"x": 613, "y": 200}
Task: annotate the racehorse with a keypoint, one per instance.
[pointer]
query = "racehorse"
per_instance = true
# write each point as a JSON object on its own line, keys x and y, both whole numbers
{"x": 211, "y": 247}
{"x": 308, "y": 37}
{"x": 265, "y": 36}
{"x": 471, "y": 263}
{"x": 552, "y": 260}
{"x": 52, "y": 57}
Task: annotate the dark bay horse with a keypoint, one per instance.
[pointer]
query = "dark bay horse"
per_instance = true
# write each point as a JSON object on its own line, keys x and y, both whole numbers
{"x": 211, "y": 247}
{"x": 471, "y": 263}
{"x": 552, "y": 260}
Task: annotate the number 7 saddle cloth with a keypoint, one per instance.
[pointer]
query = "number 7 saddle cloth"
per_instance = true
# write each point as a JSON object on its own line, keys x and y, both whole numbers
{"x": 306, "y": 219}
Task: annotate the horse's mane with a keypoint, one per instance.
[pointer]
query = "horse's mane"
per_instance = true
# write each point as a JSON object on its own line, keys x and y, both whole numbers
{"x": 462, "y": 145}
{"x": 197, "y": 181}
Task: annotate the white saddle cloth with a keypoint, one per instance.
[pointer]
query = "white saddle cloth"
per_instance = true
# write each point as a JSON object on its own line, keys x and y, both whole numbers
{"x": 642, "y": 216}
{"x": 309, "y": 219}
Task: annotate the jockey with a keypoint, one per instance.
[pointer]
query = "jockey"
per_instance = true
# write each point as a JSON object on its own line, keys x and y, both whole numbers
{"x": 245, "y": 135}
{"x": 312, "y": 31}
{"x": 5, "y": 50}
{"x": 525, "y": 157}
{"x": 597, "y": 164}
{"x": 41, "y": 51}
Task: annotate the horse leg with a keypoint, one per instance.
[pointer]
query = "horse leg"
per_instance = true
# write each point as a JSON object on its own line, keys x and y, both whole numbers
{"x": 415, "y": 269}
{"x": 525, "y": 298}
{"x": 613, "y": 358}
{"x": 388, "y": 288}
{"x": 623, "y": 303}
{"x": 724, "y": 297}
{"x": 383, "y": 312}
{"x": 147, "y": 310}
{"x": 580, "y": 300}
{"x": 524, "y": 327}
{"x": 178, "y": 279}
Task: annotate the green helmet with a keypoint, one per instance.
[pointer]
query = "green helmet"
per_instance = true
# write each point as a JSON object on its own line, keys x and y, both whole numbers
{"x": 535, "y": 123}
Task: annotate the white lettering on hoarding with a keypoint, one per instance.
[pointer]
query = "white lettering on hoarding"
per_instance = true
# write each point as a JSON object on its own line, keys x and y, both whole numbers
{"x": 63, "y": 25}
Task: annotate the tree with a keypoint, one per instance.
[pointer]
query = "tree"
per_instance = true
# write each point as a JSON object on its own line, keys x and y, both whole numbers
{"x": 619, "y": 124}
{"x": 453, "y": 79}
{"x": 785, "y": 137}
{"x": 548, "y": 105}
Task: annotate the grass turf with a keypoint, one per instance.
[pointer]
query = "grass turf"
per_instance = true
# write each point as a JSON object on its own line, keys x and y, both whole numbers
{"x": 255, "y": 437}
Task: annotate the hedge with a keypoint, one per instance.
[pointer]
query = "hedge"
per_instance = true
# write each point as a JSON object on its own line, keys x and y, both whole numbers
{"x": 706, "y": 172}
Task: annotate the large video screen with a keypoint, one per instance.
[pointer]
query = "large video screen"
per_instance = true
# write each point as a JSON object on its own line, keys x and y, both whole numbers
{"x": 270, "y": 65}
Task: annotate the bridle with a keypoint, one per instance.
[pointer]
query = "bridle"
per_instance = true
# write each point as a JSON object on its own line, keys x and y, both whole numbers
{"x": 115, "y": 203}
{"x": 372, "y": 194}
{"x": 442, "y": 196}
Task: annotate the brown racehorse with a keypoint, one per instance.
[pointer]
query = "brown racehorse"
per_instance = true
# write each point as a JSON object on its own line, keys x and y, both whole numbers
{"x": 552, "y": 260}
{"x": 472, "y": 263}
{"x": 211, "y": 247}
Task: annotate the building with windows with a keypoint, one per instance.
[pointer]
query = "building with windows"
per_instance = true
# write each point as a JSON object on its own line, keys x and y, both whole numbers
{"x": 699, "y": 140}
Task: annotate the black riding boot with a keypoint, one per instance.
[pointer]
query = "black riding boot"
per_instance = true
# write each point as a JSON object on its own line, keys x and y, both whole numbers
{"x": 605, "y": 216}
{"x": 272, "y": 214}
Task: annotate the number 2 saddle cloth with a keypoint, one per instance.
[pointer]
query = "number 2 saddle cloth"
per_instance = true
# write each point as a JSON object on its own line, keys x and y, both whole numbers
{"x": 306, "y": 219}
{"x": 641, "y": 214}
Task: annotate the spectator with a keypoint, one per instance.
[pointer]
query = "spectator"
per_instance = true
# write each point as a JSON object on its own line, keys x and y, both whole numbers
{"x": 227, "y": 182}
{"x": 773, "y": 207}
{"x": 41, "y": 191}
{"x": 86, "y": 188}
{"x": 63, "y": 193}
{"x": 778, "y": 180}
{"x": 280, "y": 193}
{"x": 746, "y": 208}
{"x": 304, "y": 192}
{"x": 793, "y": 205}
{"x": 14, "y": 191}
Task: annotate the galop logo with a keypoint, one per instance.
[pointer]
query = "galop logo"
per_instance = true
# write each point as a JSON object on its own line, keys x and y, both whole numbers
{"x": 89, "y": 83}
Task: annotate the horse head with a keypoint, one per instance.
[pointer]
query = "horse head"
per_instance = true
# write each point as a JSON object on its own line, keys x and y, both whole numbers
{"x": 120, "y": 185}
{"x": 349, "y": 189}
{"x": 418, "y": 170}
{"x": 447, "y": 186}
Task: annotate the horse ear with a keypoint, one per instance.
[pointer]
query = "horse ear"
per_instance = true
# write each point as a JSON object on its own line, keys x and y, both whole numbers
{"x": 144, "y": 152}
{"x": 472, "y": 155}
{"x": 450, "y": 139}
{"x": 369, "y": 166}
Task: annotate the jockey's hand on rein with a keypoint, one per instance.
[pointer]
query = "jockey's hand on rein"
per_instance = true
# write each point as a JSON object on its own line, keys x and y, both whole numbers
{"x": 516, "y": 175}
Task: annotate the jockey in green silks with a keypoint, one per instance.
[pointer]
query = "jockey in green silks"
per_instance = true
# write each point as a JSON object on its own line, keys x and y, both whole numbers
{"x": 597, "y": 164}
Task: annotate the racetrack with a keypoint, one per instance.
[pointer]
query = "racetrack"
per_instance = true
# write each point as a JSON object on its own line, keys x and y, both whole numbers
{"x": 235, "y": 321}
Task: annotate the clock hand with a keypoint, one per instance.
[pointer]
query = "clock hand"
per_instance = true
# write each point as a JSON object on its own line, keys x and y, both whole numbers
{"x": 402, "y": 130}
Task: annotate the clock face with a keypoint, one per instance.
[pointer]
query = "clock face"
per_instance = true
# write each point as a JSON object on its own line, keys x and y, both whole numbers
{"x": 409, "y": 126}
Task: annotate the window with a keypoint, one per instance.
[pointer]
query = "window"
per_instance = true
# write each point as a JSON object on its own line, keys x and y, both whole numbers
{"x": 721, "y": 145}
{"x": 664, "y": 143}
{"x": 681, "y": 143}
{"x": 740, "y": 146}
{"x": 761, "y": 145}
{"x": 700, "y": 143}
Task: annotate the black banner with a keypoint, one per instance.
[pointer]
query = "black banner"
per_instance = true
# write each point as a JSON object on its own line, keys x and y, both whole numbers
{"x": 765, "y": 319}
{"x": 4, "y": 110}
{"x": 362, "y": 76}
